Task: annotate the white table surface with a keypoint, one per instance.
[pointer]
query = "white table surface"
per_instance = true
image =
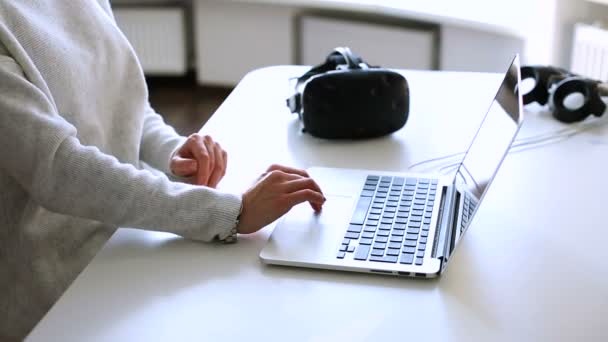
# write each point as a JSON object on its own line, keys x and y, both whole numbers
{"x": 531, "y": 267}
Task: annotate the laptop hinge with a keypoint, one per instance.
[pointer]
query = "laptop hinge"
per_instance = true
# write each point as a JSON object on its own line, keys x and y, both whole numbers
{"x": 443, "y": 238}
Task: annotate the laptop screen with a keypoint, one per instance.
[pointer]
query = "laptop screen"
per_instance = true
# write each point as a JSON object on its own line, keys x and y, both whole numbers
{"x": 493, "y": 138}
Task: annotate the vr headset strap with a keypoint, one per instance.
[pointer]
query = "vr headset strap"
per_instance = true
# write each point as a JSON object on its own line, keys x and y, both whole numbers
{"x": 342, "y": 58}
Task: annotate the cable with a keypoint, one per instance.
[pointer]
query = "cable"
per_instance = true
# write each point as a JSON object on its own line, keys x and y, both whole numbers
{"x": 520, "y": 145}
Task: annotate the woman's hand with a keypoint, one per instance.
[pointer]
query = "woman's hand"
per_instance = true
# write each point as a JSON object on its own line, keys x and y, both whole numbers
{"x": 274, "y": 194}
{"x": 201, "y": 159}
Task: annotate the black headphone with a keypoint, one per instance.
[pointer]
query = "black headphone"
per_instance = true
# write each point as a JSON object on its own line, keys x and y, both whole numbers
{"x": 553, "y": 85}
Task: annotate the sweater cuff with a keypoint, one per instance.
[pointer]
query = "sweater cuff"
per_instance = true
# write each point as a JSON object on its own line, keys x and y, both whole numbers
{"x": 228, "y": 218}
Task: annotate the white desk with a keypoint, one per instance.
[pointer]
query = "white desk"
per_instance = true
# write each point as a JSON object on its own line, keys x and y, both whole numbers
{"x": 532, "y": 266}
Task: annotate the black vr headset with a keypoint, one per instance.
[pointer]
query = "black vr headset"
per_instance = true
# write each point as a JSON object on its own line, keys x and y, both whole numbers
{"x": 554, "y": 85}
{"x": 345, "y": 98}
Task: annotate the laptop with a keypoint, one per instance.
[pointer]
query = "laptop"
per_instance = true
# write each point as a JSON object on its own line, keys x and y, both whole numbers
{"x": 399, "y": 224}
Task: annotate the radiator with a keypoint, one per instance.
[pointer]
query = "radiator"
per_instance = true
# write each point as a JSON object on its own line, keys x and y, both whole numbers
{"x": 158, "y": 36}
{"x": 590, "y": 52}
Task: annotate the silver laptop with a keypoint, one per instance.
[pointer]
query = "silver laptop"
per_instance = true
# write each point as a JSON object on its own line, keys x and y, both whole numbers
{"x": 399, "y": 224}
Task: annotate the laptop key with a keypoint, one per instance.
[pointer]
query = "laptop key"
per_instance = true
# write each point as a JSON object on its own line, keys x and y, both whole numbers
{"x": 381, "y": 246}
{"x": 381, "y": 239}
{"x": 413, "y": 237}
{"x": 399, "y": 226}
{"x": 422, "y": 246}
{"x": 367, "y": 235}
{"x": 369, "y": 229}
{"x": 354, "y": 228}
{"x": 377, "y": 252}
{"x": 343, "y": 248}
{"x": 367, "y": 193}
{"x": 351, "y": 235}
{"x": 362, "y": 252}
{"x": 396, "y": 238}
{"x": 409, "y": 250}
{"x": 383, "y": 233}
{"x": 361, "y": 210}
{"x": 403, "y": 214}
{"x": 423, "y": 240}
{"x": 416, "y": 213}
{"x": 350, "y": 249}
{"x": 397, "y": 233}
{"x": 409, "y": 243}
{"x": 371, "y": 222}
{"x": 341, "y": 255}
{"x": 418, "y": 261}
{"x": 386, "y": 258}
{"x": 392, "y": 252}
{"x": 414, "y": 224}
{"x": 365, "y": 241}
{"x": 413, "y": 230}
{"x": 373, "y": 217}
{"x": 394, "y": 245}
{"x": 385, "y": 227}
{"x": 406, "y": 258}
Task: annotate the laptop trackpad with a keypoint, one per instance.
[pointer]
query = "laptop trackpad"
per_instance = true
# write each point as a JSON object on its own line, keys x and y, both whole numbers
{"x": 303, "y": 235}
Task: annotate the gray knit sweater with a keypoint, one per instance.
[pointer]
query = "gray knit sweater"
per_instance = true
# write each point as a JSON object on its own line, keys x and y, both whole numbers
{"x": 75, "y": 127}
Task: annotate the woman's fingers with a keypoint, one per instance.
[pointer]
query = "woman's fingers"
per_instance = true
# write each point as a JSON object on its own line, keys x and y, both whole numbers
{"x": 301, "y": 183}
{"x": 183, "y": 167}
{"x": 287, "y": 169}
{"x": 219, "y": 170}
{"x": 306, "y": 195}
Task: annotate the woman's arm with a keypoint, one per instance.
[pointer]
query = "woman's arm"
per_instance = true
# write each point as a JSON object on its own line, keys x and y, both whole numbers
{"x": 39, "y": 149}
{"x": 158, "y": 142}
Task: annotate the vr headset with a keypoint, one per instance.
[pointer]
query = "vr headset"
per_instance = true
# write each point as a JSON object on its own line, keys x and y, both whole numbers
{"x": 345, "y": 98}
{"x": 554, "y": 85}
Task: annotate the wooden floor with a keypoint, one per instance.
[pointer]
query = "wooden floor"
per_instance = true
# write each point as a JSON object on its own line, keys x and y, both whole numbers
{"x": 183, "y": 103}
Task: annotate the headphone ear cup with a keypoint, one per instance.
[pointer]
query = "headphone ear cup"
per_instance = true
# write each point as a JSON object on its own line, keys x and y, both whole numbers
{"x": 592, "y": 102}
{"x": 539, "y": 93}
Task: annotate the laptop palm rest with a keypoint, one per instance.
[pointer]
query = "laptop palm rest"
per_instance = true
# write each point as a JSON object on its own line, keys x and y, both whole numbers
{"x": 304, "y": 237}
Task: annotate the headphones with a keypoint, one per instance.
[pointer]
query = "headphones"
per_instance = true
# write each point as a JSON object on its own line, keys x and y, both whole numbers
{"x": 554, "y": 85}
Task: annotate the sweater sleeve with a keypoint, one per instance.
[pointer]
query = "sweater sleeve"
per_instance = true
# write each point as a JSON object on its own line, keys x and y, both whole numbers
{"x": 158, "y": 141}
{"x": 40, "y": 150}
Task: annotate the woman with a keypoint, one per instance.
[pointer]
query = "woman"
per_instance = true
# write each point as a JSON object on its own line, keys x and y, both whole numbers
{"x": 75, "y": 130}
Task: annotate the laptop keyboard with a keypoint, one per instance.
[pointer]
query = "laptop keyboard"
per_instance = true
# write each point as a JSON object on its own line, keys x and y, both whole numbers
{"x": 467, "y": 210}
{"x": 391, "y": 221}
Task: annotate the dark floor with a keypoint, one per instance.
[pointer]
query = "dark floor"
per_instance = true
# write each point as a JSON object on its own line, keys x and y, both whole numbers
{"x": 183, "y": 103}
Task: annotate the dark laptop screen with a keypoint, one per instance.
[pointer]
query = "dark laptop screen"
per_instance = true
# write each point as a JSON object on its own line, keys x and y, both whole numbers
{"x": 494, "y": 136}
